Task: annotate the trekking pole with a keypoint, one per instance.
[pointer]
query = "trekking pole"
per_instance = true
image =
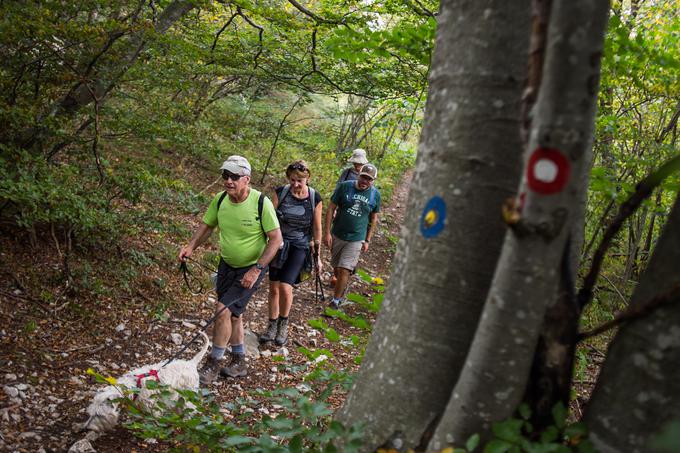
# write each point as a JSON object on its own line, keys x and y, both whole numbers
{"x": 185, "y": 271}
{"x": 318, "y": 283}
{"x": 202, "y": 329}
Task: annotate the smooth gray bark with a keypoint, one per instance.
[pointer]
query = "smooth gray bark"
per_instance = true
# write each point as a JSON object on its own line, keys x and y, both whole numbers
{"x": 493, "y": 380}
{"x": 470, "y": 156}
{"x": 638, "y": 390}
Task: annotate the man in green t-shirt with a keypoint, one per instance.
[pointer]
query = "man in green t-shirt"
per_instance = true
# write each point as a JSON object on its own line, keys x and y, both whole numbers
{"x": 353, "y": 212}
{"x": 247, "y": 245}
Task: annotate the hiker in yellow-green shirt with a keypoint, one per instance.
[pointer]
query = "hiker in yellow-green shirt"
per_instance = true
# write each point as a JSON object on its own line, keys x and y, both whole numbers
{"x": 249, "y": 238}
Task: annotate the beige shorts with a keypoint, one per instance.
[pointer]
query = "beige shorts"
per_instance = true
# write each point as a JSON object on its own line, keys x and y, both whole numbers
{"x": 345, "y": 254}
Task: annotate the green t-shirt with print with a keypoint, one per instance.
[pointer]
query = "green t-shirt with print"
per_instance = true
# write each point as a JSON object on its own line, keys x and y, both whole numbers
{"x": 354, "y": 209}
{"x": 241, "y": 238}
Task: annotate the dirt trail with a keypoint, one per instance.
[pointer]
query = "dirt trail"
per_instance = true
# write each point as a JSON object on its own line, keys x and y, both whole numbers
{"x": 46, "y": 388}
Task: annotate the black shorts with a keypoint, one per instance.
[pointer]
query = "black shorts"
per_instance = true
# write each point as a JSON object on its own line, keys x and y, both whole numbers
{"x": 229, "y": 289}
{"x": 289, "y": 272}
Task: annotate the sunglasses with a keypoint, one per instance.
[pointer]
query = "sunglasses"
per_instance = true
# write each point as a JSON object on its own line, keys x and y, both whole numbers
{"x": 365, "y": 178}
{"x": 229, "y": 175}
{"x": 297, "y": 166}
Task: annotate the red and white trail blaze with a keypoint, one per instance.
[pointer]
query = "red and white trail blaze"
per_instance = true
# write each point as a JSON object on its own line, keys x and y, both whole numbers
{"x": 548, "y": 171}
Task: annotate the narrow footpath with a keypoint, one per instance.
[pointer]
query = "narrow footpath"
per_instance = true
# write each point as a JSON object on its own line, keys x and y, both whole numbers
{"x": 44, "y": 401}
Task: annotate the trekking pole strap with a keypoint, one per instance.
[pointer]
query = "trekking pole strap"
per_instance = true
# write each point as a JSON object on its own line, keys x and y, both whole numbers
{"x": 187, "y": 274}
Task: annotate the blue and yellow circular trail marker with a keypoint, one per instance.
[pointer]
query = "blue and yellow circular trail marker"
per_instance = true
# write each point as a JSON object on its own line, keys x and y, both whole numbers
{"x": 433, "y": 216}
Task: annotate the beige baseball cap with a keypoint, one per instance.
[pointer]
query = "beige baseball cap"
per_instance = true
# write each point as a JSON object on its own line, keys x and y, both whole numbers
{"x": 237, "y": 165}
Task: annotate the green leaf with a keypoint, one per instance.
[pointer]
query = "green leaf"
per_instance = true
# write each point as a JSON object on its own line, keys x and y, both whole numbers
{"x": 510, "y": 430}
{"x": 472, "y": 442}
{"x": 559, "y": 413}
{"x": 232, "y": 441}
{"x": 332, "y": 335}
{"x": 550, "y": 434}
{"x": 318, "y": 324}
{"x": 525, "y": 411}
{"x": 295, "y": 444}
{"x": 497, "y": 446}
{"x": 364, "y": 275}
{"x": 576, "y": 430}
{"x": 668, "y": 439}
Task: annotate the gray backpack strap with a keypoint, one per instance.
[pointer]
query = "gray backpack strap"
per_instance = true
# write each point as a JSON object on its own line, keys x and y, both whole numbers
{"x": 312, "y": 197}
{"x": 284, "y": 193}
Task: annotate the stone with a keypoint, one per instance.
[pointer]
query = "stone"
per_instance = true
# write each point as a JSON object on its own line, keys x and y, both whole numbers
{"x": 176, "y": 338}
{"x": 82, "y": 446}
{"x": 252, "y": 344}
{"x": 12, "y": 392}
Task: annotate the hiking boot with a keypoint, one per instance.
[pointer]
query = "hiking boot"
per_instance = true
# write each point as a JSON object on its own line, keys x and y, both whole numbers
{"x": 334, "y": 305}
{"x": 237, "y": 366}
{"x": 282, "y": 332}
{"x": 270, "y": 333}
{"x": 209, "y": 370}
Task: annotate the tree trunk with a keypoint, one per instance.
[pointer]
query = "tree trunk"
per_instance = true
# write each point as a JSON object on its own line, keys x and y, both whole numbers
{"x": 468, "y": 163}
{"x": 527, "y": 274}
{"x": 638, "y": 390}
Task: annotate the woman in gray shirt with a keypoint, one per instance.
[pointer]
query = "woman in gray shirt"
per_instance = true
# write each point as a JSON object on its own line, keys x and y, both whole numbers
{"x": 299, "y": 209}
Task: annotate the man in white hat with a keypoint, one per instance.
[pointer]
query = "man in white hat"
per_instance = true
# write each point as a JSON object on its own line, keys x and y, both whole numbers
{"x": 249, "y": 238}
{"x": 358, "y": 159}
{"x": 353, "y": 213}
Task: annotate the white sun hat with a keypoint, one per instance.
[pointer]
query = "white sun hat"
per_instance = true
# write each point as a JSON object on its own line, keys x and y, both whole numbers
{"x": 358, "y": 157}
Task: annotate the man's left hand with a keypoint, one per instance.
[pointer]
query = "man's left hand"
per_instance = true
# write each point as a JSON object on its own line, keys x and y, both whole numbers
{"x": 250, "y": 277}
{"x": 364, "y": 246}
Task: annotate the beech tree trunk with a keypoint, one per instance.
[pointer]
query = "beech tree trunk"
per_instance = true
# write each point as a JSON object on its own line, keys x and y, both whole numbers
{"x": 638, "y": 391}
{"x": 469, "y": 162}
{"x": 493, "y": 380}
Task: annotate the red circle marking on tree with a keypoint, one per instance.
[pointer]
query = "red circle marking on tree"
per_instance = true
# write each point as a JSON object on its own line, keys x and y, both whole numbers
{"x": 548, "y": 171}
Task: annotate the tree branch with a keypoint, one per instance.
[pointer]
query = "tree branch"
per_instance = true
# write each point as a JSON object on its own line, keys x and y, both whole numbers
{"x": 217, "y": 36}
{"x": 276, "y": 139}
{"x": 309, "y": 13}
{"x": 635, "y": 312}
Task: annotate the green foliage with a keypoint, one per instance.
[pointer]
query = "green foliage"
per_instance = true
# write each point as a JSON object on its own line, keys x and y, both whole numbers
{"x": 190, "y": 420}
{"x": 668, "y": 439}
{"x": 636, "y": 116}
{"x": 516, "y": 435}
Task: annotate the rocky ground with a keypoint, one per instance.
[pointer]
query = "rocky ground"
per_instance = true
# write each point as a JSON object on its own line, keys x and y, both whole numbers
{"x": 46, "y": 349}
